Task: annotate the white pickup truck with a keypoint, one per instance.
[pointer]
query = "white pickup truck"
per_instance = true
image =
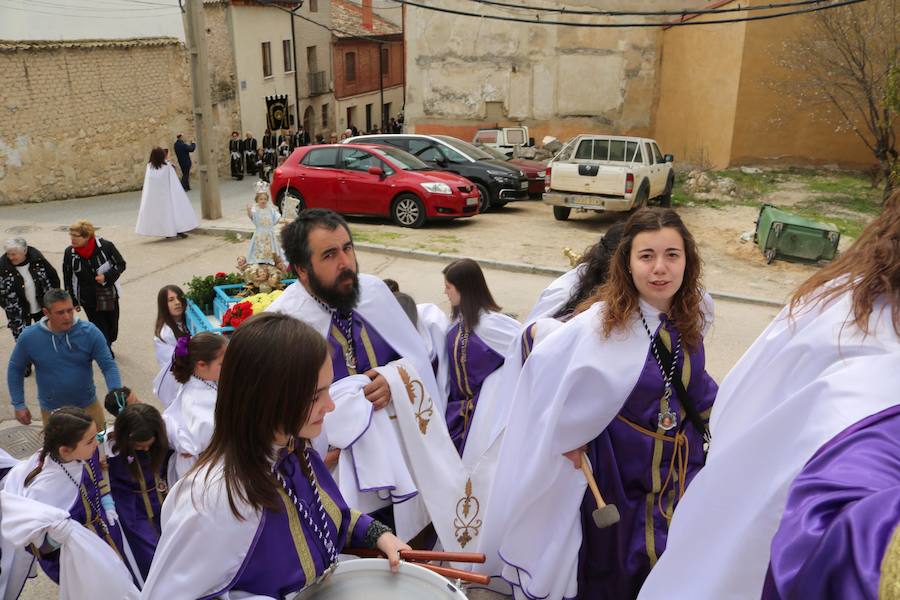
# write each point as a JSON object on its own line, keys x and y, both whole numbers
{"x": 608, "y": 173}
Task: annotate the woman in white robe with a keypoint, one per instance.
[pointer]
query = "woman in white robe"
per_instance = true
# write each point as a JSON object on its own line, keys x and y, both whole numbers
{"x": 189, "y": 419}
{"x": 828, "y": 361}
{"x": 260, "y": 516}
{"x": 476, "y": 344}
{"x": 166, "y": 210}
{"x": 57, "y": 506}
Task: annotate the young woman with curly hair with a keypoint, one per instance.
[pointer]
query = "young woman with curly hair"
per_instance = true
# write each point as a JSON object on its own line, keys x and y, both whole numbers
{"x": 603, "y": 388}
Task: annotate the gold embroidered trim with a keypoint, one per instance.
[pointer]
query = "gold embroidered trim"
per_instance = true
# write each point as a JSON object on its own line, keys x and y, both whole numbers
{"x": 467, "y": 528}
{"x": 424, "y": 411}
{"x": 300, "y": 544}
{"x": 339, "y": 336}
{"x": 354, "y": 519}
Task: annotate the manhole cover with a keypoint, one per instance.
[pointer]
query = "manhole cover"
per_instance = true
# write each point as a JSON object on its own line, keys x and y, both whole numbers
{"x": 21, "y": 229}
{"x": 21, "y": 440}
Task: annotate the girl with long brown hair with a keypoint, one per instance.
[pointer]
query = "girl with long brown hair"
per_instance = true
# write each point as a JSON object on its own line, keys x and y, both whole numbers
{"x": 170, "y": 323}
{"x": 65, "y": 475}
{"x": 260, "y": 513}
{"x": 476, "y": 344}
{"x": 623, "y": 387}
{"x": 803, "y": 472}
{"x": 137, "y": 455}
{"x": 196, "y": 365}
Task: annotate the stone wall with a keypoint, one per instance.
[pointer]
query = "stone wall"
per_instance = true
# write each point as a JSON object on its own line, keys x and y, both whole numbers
{"x": 466, "y": 72}
{"x": 79, "y": 118}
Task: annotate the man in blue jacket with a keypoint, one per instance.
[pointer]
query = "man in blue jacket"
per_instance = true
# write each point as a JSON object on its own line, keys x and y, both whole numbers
{"x": 62, "y": 349}
{"x": 183, "y": 153}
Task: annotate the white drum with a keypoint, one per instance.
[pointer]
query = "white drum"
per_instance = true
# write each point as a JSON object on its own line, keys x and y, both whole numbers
{"x": 371, "y": 579}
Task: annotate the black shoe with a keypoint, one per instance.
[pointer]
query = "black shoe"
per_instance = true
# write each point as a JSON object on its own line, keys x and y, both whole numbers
{"x": 28, "y": 371}
{"x": 182, "y": 235}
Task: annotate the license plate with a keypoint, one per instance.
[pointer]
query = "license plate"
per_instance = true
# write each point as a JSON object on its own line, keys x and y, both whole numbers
{"x": 585, "y": 200}
{"x": 471, "y": 201}
{"x": 523, "y": 185}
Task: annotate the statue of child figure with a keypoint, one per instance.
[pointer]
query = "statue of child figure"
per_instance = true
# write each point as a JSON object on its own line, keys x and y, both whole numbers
{"x": 264, "y": 246}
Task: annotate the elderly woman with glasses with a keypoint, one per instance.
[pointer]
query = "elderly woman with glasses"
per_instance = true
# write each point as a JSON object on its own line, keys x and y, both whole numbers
{"x": 91, "y": 269}
{"x": 25, "y": 276}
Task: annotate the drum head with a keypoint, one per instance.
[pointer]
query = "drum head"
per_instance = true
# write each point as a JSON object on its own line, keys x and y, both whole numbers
{"x": 371, "y": 579}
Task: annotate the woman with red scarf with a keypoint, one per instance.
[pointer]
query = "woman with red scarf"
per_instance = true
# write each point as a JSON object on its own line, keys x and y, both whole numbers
{"x": 91, "y": 267}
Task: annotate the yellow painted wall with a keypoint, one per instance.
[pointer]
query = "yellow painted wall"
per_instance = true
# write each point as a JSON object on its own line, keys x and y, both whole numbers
{"x": 769, "y": 126}
{"x": 699, "y": 79}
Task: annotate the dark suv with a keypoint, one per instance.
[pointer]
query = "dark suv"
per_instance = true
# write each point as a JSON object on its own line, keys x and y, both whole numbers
{"x": 497, "y": 181}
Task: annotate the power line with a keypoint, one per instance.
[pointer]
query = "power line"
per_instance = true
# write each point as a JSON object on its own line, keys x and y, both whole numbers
{"x": 538, "y": 21}
{"x": 646, "y": 13}
{"x": 60, "y": 14}
{"x": 88, "y": 9}
{"x": 331, "y": 29}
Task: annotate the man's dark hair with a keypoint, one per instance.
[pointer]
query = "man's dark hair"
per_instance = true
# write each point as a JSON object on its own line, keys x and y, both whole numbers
{"x": 53, "y": 296}
{"x": 178, "y": 137}
{"x": 295, "y": 235}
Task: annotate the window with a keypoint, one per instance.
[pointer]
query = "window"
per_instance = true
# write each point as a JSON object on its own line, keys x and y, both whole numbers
{"x": 351, "y": 116}
{"x": 313, "y": 6}
{"x": 288, "y": 56}
{"x": 453, "y": 156}
{"x": 658, "y": 154}
{"x": 325, "y": 116}
{"x": 312, "y": 61}
{"x": 325, "y": 157}
{"x": 486, "y": 137}
{"x": 267, "y": 59}
{"x": 515, "y": 137}
{"x": 368, "y": 117}
{"x": 358, "y": 160}
{"x": 425, "y": 150}
{"x": 648, "y": 153}
{"x": 350, "y": 66}
{"x": 617, "y": 150}
{"x": 385, "y": 61}
{"x": 593, "y": 150}
{"x": 632, "y": 152}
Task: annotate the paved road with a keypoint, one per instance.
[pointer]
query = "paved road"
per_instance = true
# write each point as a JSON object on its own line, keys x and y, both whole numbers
{"x": 153, "y": 263}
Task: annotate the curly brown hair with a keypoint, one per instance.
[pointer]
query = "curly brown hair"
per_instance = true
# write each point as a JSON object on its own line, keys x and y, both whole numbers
{"x": 869, "y": 269}
{"x": 621, "y": 295}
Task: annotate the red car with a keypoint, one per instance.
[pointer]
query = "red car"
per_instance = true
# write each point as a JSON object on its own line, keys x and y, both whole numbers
{"x": 364, "y": 179}
{"x": 534, "y": 170}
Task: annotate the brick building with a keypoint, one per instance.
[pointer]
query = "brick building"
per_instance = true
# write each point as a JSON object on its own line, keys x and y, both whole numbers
{"x": 368, "y": 57}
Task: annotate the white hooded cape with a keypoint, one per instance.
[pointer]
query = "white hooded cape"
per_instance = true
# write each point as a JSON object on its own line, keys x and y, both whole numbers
{"x": 555, "y": 295}
{"x": 189, "y": 424}
{"x": 570, "y": 388}
{"x": 203, "y": 545}
{"x": 165, "y": 209}
{"x": 373, "y": 471}
{"x": 88, "y": 567}
{"x": 799, "y": 385}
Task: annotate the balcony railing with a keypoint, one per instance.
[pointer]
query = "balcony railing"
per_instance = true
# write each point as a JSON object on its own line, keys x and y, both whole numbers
{"x": 317, "y": 83}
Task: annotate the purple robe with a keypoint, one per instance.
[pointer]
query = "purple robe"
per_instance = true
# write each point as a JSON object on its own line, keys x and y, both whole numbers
{"x": 631, "y": 468}
{"x": 287, "y": 554}
{"x": 367, "y": 345}
{"x": 83, "y": 511}
{"x": 841, "y": 512}
{"x": 138, "y": 506}
{"x": 466, "y": 381}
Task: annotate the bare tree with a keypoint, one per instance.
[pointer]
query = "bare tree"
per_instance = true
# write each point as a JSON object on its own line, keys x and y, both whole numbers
{"x": 844, "y": 64}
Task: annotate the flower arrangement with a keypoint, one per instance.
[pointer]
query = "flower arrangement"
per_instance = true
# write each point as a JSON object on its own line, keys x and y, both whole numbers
{"x": 240, "y": 312}
{"x": 200, "y": 289}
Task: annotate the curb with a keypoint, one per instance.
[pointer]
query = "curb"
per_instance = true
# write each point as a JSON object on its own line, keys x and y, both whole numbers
{"x": 511, "y": 267}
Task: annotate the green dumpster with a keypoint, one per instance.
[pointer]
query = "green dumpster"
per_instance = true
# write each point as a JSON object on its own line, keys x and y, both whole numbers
{"x": 780, "y": 234}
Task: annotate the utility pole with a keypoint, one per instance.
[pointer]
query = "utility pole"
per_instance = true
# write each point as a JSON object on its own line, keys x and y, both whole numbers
{"x": 195, "y": 38}
{"x": 296, "y": 69}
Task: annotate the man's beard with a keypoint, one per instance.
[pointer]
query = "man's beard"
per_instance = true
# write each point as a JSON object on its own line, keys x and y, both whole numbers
{"x": 343, "y": 302}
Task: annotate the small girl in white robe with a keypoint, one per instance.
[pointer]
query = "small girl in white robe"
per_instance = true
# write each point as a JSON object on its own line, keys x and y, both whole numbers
{"x": 189, "y": 419}
{"x": 62, "y": 484}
